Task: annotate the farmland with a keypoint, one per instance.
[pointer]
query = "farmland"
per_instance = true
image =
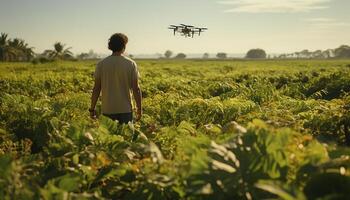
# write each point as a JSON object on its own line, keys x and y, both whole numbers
{"x": 210, "y": 130}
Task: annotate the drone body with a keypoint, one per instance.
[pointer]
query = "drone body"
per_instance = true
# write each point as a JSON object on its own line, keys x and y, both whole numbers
{"x": 187, "y": 30}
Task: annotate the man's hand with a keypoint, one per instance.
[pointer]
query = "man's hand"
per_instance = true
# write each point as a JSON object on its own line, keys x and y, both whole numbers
{"x": 93, "y": 114}
{"x": 138, "y": 114}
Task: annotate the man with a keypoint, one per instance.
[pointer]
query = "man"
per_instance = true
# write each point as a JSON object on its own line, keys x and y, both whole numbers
{"x": 115, "y": 76}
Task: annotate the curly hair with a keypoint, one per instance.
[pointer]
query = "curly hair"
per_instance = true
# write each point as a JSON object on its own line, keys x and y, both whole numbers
{"x": 117, "y": 42}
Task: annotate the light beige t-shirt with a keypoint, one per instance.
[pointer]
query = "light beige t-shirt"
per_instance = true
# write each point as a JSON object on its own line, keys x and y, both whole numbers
{"x": 116, "y": 74}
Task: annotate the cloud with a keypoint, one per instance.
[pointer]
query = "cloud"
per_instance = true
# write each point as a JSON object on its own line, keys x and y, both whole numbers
{"x": 320, "y": 20}
{"x": 274, "y": 6}
{"x": 326, "y": 24}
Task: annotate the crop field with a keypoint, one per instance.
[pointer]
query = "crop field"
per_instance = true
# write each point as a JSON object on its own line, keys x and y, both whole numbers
{"x": 210, "y": 129}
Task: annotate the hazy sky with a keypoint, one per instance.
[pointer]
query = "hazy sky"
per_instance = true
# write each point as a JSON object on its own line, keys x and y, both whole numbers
{"x": 235, "y": 26}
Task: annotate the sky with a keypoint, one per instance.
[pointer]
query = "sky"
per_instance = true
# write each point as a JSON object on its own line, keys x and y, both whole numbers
{"x": 234, "y": 26}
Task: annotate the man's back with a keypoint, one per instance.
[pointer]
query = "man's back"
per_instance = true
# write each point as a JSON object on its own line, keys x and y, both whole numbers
{"x": 116, "y": 74}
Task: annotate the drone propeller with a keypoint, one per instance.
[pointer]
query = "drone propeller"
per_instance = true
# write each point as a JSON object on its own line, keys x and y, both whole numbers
{"x": 202, "y": 28}
{"x": 186, "y": 25}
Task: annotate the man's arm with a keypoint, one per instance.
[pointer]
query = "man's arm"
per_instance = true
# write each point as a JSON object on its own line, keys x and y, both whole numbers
{"x": 94, "y": 97}
{"x": 136, "y": 91}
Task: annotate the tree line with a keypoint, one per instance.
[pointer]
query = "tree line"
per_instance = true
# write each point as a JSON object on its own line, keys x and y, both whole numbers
{"x": 341, "y": 52}
{"x": 253, "y": 53}
{"x": 18, "y": 50}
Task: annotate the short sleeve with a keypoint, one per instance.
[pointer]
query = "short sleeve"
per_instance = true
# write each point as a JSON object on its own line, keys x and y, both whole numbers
{"x": 97, "y": 73}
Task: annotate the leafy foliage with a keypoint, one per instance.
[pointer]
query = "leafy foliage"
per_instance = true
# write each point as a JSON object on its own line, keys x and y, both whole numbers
{"x": 210, "y": 130}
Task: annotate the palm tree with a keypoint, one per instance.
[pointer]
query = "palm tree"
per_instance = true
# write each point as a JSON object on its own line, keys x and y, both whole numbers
{"x": 14, "y": 50}
{"x": 7, "y": 52}
{"x": 3, "y": 39}
{"x": 16, "y": 46}
{"x": 59, "y": 51}
{"x": 28, "y": 52}
{"x": 3, "y": 46}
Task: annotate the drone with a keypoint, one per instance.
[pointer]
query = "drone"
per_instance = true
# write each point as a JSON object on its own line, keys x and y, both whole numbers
{"x": 187, "y": 30}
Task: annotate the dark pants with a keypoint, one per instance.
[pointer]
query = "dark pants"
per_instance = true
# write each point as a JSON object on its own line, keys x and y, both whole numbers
{"x": 122, "y": 118}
